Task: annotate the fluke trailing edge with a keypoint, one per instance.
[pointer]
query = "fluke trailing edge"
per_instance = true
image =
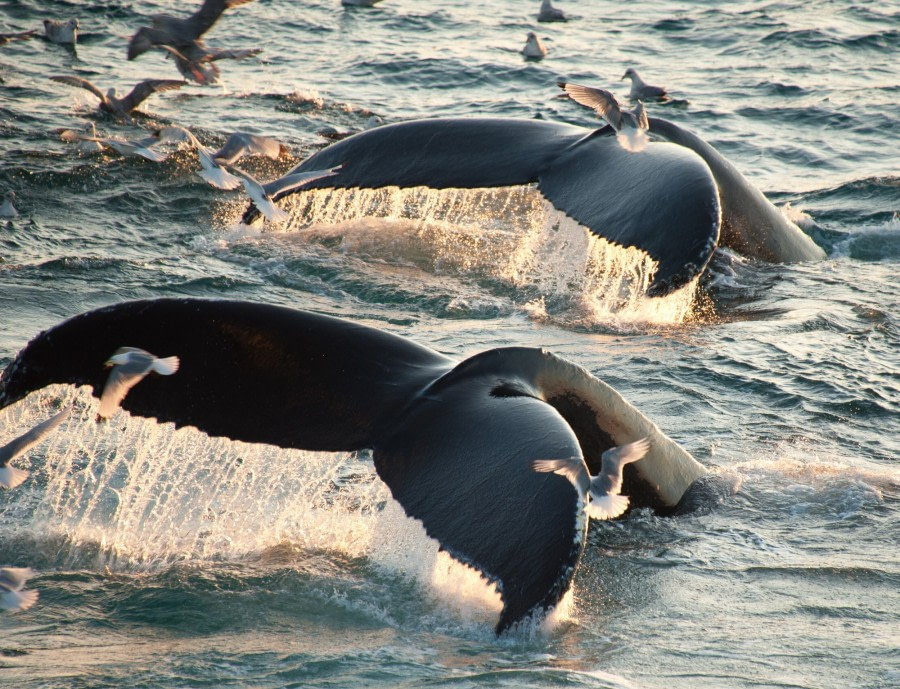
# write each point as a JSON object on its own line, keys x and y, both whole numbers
{"x": 455, "y": 442}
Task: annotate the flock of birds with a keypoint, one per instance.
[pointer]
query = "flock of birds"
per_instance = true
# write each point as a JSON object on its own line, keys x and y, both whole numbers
{"x": 182, "y": 39}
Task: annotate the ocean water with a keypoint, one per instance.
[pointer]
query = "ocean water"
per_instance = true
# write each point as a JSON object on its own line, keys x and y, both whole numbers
{"x": 169, "y": 559}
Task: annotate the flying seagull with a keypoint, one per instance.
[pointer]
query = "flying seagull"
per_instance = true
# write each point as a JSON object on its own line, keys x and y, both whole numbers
{"x": 196, "y": 62}
{"x": 129, "y": 149}
{"x": 122, "y": 107}
{"x": 604, "y": 488}
{"x": 129, "y": 366}
{"x": 179, "y": 32}
{"x": 10, "y": 477}
{"x": 12, "y": 597}
{"x": 631, "y": 126}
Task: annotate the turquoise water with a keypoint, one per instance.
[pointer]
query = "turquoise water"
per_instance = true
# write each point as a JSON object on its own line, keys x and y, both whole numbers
{"x": 169, "y": 559}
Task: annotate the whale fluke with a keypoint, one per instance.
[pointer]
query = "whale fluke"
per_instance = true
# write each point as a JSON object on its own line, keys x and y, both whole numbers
{"x": 675, "y": 201}
{"x": 664, "y": 201}
{"x": 454, "y": 441}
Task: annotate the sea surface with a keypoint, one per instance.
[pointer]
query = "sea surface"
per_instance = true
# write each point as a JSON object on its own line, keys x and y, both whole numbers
{"x": 169, "y": 559}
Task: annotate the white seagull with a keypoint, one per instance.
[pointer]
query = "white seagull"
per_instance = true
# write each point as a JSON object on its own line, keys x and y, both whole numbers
{"x": 641, "y": 90}
{"x": 7, "y": 208}
{"x": 533, "y": 47}
{"x": 124, "y": 147}
{"x": 261, "y": 194}
{"x": 12, "y": 597}
{"x": 240, "y": 144}
{"x": 129, "y": 366}
{"x": 63, "y": 32}
{"x": 604, "y": 488}
{"x": 10, "y": 477}
{"x": 179, "y": 32}
{"x": 549, "y": 13}
{"x": 631, "y": 126}
{"x": 196, "y": 62}
{"x": 122, "y": 107}
{"x": 84, "y": 146}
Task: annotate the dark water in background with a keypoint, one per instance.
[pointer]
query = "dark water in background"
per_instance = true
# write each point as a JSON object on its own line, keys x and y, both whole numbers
{"x": 170, "y": 559}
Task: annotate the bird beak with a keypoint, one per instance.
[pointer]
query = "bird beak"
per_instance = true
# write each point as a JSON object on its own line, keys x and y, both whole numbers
{"x": 623, "y": 76}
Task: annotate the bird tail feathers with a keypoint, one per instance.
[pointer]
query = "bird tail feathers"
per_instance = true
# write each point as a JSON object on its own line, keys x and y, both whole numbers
{"x": 607, "y": 506}
{"x": 18, "y": 600}
{"x": 10, "y": 477}
{"x": 166, "y": 366}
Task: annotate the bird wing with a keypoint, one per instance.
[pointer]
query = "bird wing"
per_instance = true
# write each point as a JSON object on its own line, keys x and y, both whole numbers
{"x": 573, "y": 468}
{"x": 640, "y": 115}
{"x": 14, "y": 578}
{"x": 81, "y": 83}
{"x": 17, "y": 600}
{"x": 121, "y": 379}
{"x": 143, "y": 40}
{"x": 166, "y": 366}
{"x": 233, "y": 54}
{"x": 18, "y": 36}
{"x": 240, "y": 144}
{"x": 203, "y": 19}
{"x": 147, "y": 88}
{"x": 600, "y": 100}
{"x": 217, "y": 176}
{"x": 28, "y": 440}
{"x": 254, "y": 188}
{"x": 615, "y": 458}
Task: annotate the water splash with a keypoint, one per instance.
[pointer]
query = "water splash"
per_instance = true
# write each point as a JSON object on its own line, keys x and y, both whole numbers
{"x": 510, "y": 238}
{"x": 133, "y": 495}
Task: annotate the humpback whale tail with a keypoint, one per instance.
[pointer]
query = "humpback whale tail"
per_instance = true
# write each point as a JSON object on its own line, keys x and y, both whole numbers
{"x": 454, "y": 442}
{"x": 675, "y": 201}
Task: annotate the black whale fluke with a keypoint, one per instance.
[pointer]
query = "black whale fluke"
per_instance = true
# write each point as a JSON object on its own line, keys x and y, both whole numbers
{"x": 455, "y": 442}
{"x": 676, "y": 199}
{"x": 663, "y": 200}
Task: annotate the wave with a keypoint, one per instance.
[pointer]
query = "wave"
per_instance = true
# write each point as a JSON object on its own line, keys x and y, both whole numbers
{"x": 509, "y": 241}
